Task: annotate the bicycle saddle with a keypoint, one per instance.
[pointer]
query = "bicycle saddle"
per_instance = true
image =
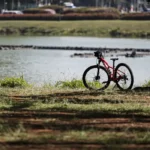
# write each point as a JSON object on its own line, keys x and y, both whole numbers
{"x": 114, "y": 59}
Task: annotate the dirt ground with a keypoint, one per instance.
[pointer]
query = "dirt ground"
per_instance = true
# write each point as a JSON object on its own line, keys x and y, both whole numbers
{"x": 55, "y": 122}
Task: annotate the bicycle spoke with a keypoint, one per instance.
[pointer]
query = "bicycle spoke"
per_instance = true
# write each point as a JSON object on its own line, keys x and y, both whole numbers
{"x": 94, "y": 81}
{"x": 124, "y": 77}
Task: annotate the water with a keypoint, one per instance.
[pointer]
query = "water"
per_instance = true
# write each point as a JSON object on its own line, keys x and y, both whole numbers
{"x": 49, "y": 66}
{"x": 77, "y": 41}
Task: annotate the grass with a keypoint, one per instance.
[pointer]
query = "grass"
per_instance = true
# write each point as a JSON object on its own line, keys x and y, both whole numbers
{"x": 146, "y": 84}
{"x": 13, "y": 82}
{"x": 73, "y": 84}
{"x": 101, "y": 28}
{"x": 74, "y": 118}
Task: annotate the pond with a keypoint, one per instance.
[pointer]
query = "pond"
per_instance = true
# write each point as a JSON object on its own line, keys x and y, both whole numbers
{"x": 49, "y": 66}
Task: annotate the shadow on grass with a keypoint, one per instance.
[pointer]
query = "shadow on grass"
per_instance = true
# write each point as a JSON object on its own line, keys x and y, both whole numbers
{"x": 65, "y": 113}
{"x": 18, "y": 106}
{"x": 84, "y": 101}
{"x": 63, "y": 123}
{"x": 61, "y": 118}
{"x": 72, "y": 118}
{"x": 72, "y": 97}
{"x": 59, "y": 94}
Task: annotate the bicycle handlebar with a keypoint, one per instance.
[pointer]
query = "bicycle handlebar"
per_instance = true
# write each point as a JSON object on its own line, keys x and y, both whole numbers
{"x": 98, "y": 54}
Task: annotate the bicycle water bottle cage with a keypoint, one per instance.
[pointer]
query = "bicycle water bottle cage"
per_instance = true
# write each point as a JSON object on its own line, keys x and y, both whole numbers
{"x": 98, "y": 54}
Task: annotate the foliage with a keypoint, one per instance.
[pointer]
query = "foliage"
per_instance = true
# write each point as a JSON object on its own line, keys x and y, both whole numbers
{"x": 76, "y": 14}
{"x": 39, "y": 10}
{"x": 57, "y": 8}
{"x": 13, "y": 82}
{"x": 135, "y": 16}
{"x": 73, "y": 84}
{"x": 89, "y": 16}
{"x": 35, "y": 11}
{"x": 91, "y": 10}
{"x": 60, "y": 9}
{"x": 69, "y": 16}
{"x": 146, "y": 84}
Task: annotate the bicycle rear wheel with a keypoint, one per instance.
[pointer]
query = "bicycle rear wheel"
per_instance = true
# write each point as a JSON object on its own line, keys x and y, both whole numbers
{"x": 124, "y": 76}
{"x": 96, "y": 78}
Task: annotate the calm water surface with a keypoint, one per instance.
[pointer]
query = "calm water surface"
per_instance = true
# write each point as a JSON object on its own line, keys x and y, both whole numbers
{"x": 49, "y": 66}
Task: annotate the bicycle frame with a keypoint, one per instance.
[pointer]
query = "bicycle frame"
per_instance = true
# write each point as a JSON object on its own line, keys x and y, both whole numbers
{"x": 111, "y": 73}
{"x": 99, "y": 76}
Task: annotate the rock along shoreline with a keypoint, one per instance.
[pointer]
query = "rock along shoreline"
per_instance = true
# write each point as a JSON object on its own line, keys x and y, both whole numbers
{"x": 127, "y": 52}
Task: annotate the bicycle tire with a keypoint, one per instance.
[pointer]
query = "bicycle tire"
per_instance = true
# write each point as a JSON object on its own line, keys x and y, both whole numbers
{"x": 131, "y": 74}
{"x": 97, "y": 84}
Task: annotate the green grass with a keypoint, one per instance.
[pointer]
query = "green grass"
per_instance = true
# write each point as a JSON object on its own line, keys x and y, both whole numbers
{"x": 80, "y": 124}
{"x": 146, "y": 84}
{"x": 73, "y": 84}
{"x": 37, "y": 116}
{"x": 13, "y": 82}
{"x": 101, "y": 28}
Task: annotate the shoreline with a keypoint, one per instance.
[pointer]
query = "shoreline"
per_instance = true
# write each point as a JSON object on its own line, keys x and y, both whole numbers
{"x": 95, "y": 28}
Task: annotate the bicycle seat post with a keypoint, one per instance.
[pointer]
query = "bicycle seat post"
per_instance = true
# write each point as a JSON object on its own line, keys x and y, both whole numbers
{"x": 114, "y": 59}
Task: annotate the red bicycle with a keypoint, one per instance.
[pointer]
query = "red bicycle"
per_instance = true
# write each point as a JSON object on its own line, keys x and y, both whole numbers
{"x": 98, "y": 77}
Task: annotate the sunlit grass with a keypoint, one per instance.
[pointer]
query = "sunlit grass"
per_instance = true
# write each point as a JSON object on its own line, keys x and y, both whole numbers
{"x": 13, "y": 82}
{"x": 73, "y": 84}
{"x": 39, "y": 115}
{"x": 99, "y": 28}
{"x": 71, "y": 98}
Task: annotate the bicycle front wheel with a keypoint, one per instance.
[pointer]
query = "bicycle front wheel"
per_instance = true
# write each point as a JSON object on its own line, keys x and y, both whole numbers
{"x": 96, "y": 78}
{"x": 124, "y": 77}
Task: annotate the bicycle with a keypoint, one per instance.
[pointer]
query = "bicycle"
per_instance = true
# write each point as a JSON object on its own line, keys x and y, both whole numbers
{"x": 101, "y": 76}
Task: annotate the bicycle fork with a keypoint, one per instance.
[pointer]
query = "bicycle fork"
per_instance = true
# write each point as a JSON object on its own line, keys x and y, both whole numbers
{"x": 98, "y": 71}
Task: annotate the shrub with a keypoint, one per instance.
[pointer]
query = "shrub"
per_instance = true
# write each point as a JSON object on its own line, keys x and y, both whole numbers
{"x": 57, "y": 9}
{"x": 91, "y": 10}
{"x": 29, "y": 17}
{"x": 73, "y": 84}
{"x": 60, "y": 9}
{"x": 114, "y": 32}
{"x": 71, "y": 16}
{"x": 13, "y": 82}
{"x": 88, "y": 16}
{"x": 135, "y": 16}
{"x": 146, "y": 84}
{"x": 34, "y": 11}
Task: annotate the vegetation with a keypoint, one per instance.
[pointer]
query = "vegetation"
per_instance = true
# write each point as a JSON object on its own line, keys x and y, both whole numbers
{"x": 106, "y": 22}
{"x": 97, "y": 28}
{"x": 63, "y": 10}
{"x": 146, "y": 84}
{"x": 135, "y": 16}
{"x": 79, "y": 119}
{"x": 13, "y": 82}
{"x": 91, "y": 10}
{"x": 111, "y": 3}
{"x": 57, "y": 9}
{"x": 73, "y": 84}
{"x": 69, "y": 16}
